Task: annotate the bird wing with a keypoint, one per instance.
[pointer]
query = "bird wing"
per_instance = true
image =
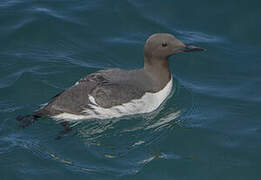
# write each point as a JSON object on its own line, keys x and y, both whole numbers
{"x": 112, "y": 94}
{"x": 98, "y": 87}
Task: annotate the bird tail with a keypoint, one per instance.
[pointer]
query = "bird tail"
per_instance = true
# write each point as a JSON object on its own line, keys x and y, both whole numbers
{"x": 27, "y": 120}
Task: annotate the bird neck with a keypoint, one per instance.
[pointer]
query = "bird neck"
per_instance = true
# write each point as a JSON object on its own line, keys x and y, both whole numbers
{"x": 158, "y": 69}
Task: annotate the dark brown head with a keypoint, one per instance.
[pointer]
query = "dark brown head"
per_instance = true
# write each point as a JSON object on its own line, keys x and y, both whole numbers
{"x": 158, "y": 48}
{"x": 163, "y": 45}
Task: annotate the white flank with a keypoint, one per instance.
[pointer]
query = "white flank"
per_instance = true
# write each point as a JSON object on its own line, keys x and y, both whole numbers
{"x": 148, "y": 103}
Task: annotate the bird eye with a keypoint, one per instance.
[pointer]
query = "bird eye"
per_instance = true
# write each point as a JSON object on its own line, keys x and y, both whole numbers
{"x": 164, "y": 44}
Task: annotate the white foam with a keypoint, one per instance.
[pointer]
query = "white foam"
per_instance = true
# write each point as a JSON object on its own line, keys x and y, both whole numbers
{"x": 148, "y": 103}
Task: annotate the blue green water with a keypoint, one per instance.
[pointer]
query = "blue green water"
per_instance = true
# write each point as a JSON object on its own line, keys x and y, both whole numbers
{"x": 210, "y": 127}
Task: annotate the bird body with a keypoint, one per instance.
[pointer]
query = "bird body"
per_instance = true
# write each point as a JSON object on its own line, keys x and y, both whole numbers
{"x": 115, "y": 92}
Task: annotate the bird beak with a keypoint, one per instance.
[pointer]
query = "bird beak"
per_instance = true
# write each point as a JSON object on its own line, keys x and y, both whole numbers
{"x": 190, "y": 48}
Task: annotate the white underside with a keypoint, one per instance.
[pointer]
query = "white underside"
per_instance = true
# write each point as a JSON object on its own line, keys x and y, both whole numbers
{"x": 148, "y": 103}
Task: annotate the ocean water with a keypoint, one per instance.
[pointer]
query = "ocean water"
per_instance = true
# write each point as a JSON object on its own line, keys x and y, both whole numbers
{"x": 210, "y": 128}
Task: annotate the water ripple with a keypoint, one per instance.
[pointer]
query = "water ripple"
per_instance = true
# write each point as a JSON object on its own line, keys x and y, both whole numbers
{"x": 11, "y": 79}
{"x": 198, "y": 37}
{"x": 8, "y": 3}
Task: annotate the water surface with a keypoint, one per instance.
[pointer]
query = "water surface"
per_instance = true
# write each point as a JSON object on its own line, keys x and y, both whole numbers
{"x": 208, "y": 129}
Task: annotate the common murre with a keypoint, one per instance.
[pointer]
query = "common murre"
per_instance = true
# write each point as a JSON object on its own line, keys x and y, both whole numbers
{"x": 116, "y": 92}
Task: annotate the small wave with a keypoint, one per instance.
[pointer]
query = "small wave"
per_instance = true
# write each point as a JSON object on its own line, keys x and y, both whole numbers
{"x": 48, "y": 12}
{"x": 188, "y": 36}
{"x": 15, "y": 140}
{"x": 20, "y": 24}
{"x": 164, "y": 121}
{"x": 8, "y": 107}
{"x": 8, "y": 3}
{"x": 237, "y": 92}
{"x": 193, "y": 36}
{"x": 61, "y": 15}
{"x": 159, "y": 155}
{"x": 11, "y": 79}
{"x": 126, "y": 40}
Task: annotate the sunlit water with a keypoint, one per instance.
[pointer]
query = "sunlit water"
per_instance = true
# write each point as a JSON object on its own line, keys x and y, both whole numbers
{"x": 209, "y": 128}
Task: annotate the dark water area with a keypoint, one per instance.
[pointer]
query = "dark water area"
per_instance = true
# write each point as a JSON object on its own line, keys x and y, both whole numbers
{"x": 209, "y": 128}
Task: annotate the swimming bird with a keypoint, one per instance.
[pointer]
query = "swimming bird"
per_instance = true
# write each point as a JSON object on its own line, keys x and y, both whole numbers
{"x": 117, "y": 92}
